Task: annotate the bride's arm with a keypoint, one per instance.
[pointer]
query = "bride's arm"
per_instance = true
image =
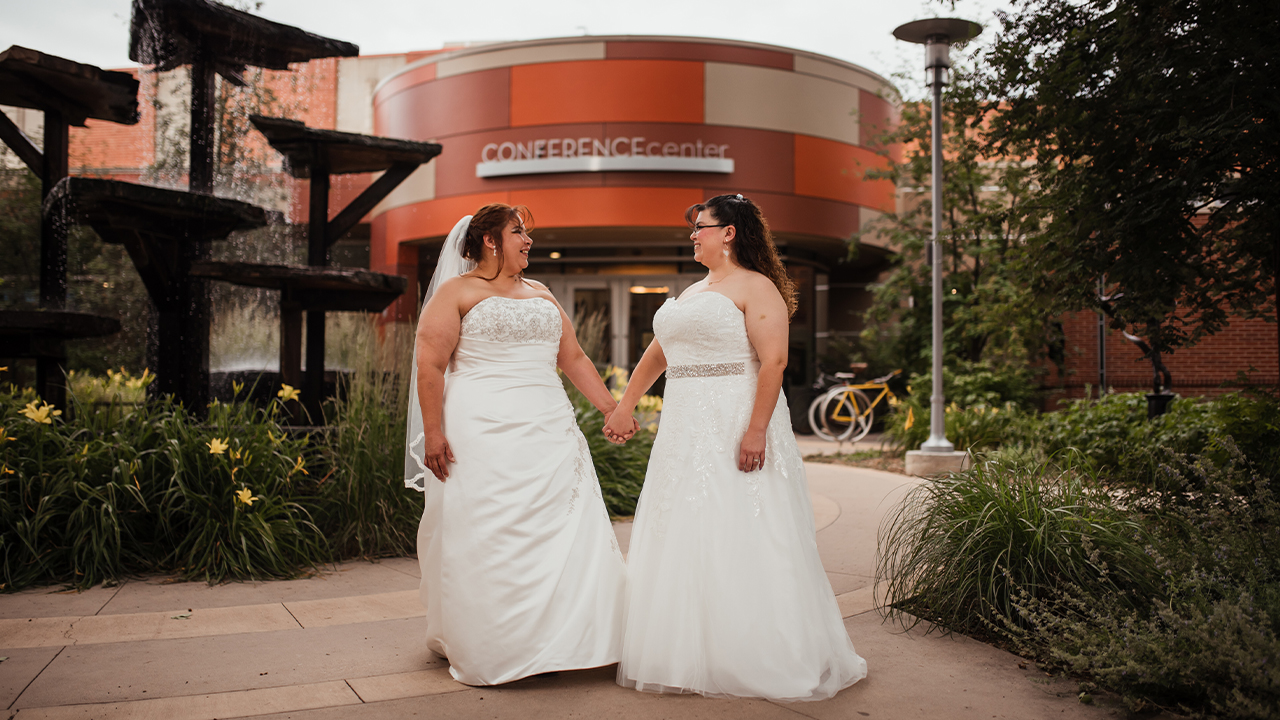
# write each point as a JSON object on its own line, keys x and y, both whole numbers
{"x": 651, "y": 365}
{"x": 435, "y": 342}
{"x": 579, "y": 368}
{"x": 767, "y": 321}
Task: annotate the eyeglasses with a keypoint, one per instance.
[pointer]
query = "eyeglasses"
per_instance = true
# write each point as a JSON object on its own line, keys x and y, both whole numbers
{"x": 699, "y": 228}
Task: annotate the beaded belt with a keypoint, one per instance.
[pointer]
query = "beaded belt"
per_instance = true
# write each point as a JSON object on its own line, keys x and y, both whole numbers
{"x": 710, "y": 370}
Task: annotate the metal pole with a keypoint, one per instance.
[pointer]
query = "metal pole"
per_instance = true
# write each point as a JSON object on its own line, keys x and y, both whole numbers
{"x": 937, "y": 441}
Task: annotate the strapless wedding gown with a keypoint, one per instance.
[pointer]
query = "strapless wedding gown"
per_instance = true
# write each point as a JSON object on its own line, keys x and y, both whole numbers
{"x": 727, "y": 595}
{"x": 521, "y": 571}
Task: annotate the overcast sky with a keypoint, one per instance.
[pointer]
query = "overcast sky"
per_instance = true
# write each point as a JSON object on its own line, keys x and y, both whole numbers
{"x": 858, "y": 31}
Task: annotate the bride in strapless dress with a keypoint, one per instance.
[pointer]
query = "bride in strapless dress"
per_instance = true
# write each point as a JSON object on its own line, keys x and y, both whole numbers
{"x": 521, "y": 571}
{"x": 727, "y": 594}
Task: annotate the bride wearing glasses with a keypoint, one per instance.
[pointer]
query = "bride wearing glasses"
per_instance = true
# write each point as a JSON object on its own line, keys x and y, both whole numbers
{"x": 521, "y": 572}
{"x": 727, "y": 595}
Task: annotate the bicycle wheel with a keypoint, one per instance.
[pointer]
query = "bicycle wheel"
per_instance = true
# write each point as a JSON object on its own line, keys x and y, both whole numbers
{"x": 847, "y": 414}
{"x": 815, "y": 417}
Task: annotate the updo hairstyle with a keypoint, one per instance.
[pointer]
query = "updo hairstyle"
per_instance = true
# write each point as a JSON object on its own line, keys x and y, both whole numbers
{"x": 491, "y": 220}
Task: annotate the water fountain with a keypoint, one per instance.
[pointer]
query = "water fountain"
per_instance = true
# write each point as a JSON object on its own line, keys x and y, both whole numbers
{"x": 168, "y": 233}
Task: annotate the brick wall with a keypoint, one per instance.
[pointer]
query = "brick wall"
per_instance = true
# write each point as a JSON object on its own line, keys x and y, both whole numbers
{"x": 1207, "y": 369}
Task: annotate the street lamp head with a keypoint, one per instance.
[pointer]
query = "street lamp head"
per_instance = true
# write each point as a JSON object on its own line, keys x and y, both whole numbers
{"x": 949, "y": 30}
{"x": 937, "y": 34}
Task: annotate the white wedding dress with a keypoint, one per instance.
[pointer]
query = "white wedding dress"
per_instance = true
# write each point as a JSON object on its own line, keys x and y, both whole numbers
{"x": 521, "y": 571}
{"x": 727, "y": 595}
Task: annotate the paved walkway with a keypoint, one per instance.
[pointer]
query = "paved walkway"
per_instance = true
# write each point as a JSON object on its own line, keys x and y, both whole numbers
{"x": 348, "y": 644}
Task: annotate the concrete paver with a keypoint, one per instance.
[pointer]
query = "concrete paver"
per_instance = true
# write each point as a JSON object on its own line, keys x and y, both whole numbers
{"x": 21, "y": 667}
{"x": 54, "y": 602}
{"x": 197, "y": 666}
{"x": 352, "y": 648}
{"x": 207, "y": 707}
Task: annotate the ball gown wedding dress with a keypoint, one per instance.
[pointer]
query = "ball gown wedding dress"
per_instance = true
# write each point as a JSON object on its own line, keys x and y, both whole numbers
{"x": 521, "y": 572}
{"x": 727, "y": 595}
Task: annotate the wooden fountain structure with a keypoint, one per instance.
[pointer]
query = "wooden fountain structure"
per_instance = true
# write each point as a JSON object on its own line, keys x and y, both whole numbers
{"x": 169, "y": 233}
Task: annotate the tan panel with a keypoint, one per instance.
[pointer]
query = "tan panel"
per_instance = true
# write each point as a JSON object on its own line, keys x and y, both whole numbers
{"x": 357, "y": 77}
{"x": 419, "y": 186}
{"x": 769, "y": 99}
{"x": 843, "y": 74}
{"x": 876, "y": 234}
{"x": 520, "y": 56}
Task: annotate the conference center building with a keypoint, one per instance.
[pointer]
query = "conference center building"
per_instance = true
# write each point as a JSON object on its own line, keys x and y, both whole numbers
{"x": 609, "y": 139}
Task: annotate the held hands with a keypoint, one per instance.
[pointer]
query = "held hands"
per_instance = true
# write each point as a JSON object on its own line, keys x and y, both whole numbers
{"x": 751, "y": 452}
{"x": 437, "y": 455}
{"x": 620, "y": 427}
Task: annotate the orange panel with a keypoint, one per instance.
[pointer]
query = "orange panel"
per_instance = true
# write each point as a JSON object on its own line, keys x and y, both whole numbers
{"x": 607, "y": 91}
{"x": 834, "y": 170}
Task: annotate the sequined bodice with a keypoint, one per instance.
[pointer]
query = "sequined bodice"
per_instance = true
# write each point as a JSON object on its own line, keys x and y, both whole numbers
{"x": 511, "y": 320}
{"x": 701, "y": 329}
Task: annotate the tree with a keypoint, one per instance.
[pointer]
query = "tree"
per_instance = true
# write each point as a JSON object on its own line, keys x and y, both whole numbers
{"x": 989, "y": 314}
{"x": 1154, "y": 126}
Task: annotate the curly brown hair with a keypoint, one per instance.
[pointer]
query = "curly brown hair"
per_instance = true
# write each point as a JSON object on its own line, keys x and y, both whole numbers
{"x": 753, "y": 248}
{"x": 491, "y": 220}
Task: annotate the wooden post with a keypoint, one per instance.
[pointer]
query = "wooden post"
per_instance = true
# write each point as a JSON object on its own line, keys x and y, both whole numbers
{"x": 291, "y": 348}
{"x": 50, "y": 371}
{"x": 182, "y": 325}
{"x": 317, "y": 256}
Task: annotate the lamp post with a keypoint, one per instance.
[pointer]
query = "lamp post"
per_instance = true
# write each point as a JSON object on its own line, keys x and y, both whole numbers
{"x": 937, "y": 34}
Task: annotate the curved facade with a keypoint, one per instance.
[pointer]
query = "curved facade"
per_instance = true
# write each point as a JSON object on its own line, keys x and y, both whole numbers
{"x": 609, "y": 139}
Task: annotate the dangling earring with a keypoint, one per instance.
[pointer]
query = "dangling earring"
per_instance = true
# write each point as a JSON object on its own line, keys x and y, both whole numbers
{"x": 726, "y": 249}
{"x": 495, "y": 252}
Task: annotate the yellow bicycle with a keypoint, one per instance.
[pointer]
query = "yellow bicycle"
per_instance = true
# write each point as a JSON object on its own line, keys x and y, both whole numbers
{"x": 844, "y": 412}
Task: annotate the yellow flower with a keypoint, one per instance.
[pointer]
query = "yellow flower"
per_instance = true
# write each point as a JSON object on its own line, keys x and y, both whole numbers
{"x": 4, "y": 368}
{"x": 298, "y": 466}
{"x": 43, "y": 414}
{"x": 649, "y": 404}
{"x": 911, "y": 419}
{"x": 4, "y": 436}
{"x": 245, "y": 496}
{"x": 4, "y": 470}
{"x": 217, "y": 446}
{"x": 235, "y": 454}
{"x": 287, "y": 393}
{"x": 236, "y": 387}
{"x": 146, "y": 377}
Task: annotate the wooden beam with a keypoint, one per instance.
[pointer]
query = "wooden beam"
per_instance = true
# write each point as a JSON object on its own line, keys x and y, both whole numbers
{"x": 21, "y": 145}
{"x": 342, "y": 223}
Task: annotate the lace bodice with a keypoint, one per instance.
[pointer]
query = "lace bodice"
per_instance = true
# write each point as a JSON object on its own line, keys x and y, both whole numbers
{"x": 701, "y": 329}
{"x": 511, "y": 320}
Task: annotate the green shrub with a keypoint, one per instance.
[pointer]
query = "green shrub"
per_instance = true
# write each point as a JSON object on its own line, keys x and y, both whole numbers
{"x": 367, "y": 509}
{"x": 977, "y": 427}
{"x": 238, "y": 502}
{"x": 969, "y": 384}
{"x": 1106, "y": 430}
{"x": 959, "y": 548}
{"x": 148, "y": 488}
{"x": 1206, "y": 643}
{"x": 621, "y": 468}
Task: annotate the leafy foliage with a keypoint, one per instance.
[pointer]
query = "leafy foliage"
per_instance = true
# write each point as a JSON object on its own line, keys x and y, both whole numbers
{"x": 988, "y": 311}
{"x": 148, "y": 488}
{"x": 962, "y": 547}
{"x": 366, "y": 504}
{"x": 1154, "y": 130}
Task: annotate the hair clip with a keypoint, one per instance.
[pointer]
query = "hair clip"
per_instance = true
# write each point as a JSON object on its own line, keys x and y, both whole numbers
{"x": 740, "y": 197}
